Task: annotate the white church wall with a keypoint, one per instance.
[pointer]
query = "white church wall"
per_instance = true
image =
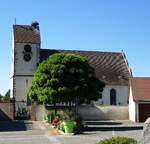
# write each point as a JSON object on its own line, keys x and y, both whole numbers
{"x": 121, "y": 95}
{"x": 132, "y": 107}
{"x": 12, "y": 68}
{"x": 12, "y": 56}
{"x": 22, "y": 85}
{"x": 11, "y": 87}
{"x": 22, "y": 67}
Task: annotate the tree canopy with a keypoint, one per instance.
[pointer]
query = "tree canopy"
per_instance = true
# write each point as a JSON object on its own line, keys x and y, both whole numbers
{"x": 65, "y": 78}
{"x": 6, "y": 97}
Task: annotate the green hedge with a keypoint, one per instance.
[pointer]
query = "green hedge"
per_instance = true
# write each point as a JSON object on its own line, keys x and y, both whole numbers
{"x": 118, "y": 140}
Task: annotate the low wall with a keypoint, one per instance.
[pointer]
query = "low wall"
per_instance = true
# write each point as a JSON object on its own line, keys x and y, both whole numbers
{"x": 104, "y": 112}
{"x": 88, "y": 112}
{"x": 6, "y": 111}
{"x": 37, "y": 112}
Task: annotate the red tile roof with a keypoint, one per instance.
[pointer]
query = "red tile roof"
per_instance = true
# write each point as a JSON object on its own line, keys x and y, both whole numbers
{"x": 26, "y": 34}
{"x": 140, "y": 88}
{"x": 110, "y": 67}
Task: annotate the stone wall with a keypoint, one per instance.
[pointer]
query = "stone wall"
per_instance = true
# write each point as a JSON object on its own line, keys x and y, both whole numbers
{"x": 6, "y": 111}
{"x": 37, "y": 112}
{"x": 88, "y": 112}
{"x": 104, "y": 112}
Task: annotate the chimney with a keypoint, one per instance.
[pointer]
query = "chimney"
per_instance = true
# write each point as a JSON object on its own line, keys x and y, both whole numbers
{"x": 35, "y": 25}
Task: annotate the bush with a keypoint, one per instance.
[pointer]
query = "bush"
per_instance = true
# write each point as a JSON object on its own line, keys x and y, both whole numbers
{"x": 68, "y": 116}
{"x": 49, "y": 116}
{"x": 118, "y": 140}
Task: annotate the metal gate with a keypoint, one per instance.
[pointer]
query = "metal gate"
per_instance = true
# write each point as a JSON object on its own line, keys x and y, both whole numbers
{"x": 21, "y": 110}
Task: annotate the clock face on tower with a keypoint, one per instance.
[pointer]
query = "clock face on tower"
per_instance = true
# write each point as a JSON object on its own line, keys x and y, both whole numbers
{"x": 27, "y": 53}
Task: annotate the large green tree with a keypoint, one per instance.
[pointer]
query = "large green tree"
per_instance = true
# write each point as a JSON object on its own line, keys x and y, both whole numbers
{"x": 65, "y": 78}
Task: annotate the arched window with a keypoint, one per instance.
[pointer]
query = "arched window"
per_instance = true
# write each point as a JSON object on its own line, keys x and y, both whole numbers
{"x": 112, "y": 97}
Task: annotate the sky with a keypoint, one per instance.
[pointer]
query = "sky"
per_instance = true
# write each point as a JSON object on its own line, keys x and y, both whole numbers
{"x": 93, "y": 25}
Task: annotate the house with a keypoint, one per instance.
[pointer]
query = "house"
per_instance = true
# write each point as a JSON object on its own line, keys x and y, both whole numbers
{"x": 110, "y": 67}
{"x": 139, "y": 99}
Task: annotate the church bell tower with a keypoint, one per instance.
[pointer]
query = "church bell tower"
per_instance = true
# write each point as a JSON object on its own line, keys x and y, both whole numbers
{"x": 25, "y": 58}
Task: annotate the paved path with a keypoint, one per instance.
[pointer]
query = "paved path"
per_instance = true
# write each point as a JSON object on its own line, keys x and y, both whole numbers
{"x": 34, "y": 133}
{"x": 94, "y": 137}
{"x": 22, "y": 133}
{"x": 100, "y": 130}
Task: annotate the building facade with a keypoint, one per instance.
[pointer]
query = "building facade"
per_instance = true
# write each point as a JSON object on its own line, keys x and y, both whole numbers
{"x": 139, "y": 99}
{"x": 110, "y": 67}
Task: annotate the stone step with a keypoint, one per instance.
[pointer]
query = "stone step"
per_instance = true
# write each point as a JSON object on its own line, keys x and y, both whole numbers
{"x": 112, "y": 125}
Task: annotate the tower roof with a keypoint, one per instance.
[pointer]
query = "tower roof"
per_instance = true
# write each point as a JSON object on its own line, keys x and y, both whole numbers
{"x": 110, "y": 67}
{"x": 26, "y": 34}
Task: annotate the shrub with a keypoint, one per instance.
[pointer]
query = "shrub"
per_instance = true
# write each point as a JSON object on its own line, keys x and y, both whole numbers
{"x": 118, "y": 140}
{"x": 49, "y": 116}
{"x": 69, "y": 116}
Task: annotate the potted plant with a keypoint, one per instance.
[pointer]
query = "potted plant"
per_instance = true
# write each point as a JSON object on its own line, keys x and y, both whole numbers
{"x": 68, "y": 122}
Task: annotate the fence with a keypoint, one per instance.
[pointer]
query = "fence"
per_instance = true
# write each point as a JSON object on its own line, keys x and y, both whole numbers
{"x": 21, "y": 110}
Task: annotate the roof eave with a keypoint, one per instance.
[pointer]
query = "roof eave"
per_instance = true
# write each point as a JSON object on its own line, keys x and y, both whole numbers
{"x": 142, "y": 101}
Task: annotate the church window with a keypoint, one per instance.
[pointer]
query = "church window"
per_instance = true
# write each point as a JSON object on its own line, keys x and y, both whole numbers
{"x": 112, "y": 97}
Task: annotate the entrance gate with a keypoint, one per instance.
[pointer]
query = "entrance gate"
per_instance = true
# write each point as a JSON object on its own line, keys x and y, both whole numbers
{"x": 21, "y": 110}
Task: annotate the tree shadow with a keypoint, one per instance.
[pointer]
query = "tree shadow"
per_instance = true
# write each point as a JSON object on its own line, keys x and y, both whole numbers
{"x": 105, "y": 128}
{"x": 102, "y": 123}
{"x": 6, "y": 126}
{"x": 4, "y": 117}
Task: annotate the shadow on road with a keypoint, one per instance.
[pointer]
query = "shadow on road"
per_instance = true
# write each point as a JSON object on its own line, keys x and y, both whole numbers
{"x": 6, "y": 126}
{"x": 112, "y": 128}
{"x": 3, "y": 116}
{"x": 102, "y": 123}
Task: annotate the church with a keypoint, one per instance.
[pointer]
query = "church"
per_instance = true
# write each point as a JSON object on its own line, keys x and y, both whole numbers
{"x": 110, "y": 67}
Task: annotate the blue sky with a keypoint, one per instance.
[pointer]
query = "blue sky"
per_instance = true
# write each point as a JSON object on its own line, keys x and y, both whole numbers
{"x": 95, "y": 25}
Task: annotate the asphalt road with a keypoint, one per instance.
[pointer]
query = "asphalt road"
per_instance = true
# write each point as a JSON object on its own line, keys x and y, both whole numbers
{"x": 32, "y": 133}
{"x": 94, "y": 137}
{"x": 22, "y": 133}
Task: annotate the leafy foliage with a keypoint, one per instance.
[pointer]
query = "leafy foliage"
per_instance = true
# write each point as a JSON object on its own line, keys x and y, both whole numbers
{"x": 1, "y": 97}
{"x": 118, "y": 140}
{"x": 65, "y": 78}
{"x": 6, "y": 97}
{"x": 68, "y": 116}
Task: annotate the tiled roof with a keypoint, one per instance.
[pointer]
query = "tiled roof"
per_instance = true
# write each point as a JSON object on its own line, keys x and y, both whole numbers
{"x": 26, "y": 34}
{"x": 110, "y": 67}
{"x": 140, "y": 88}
